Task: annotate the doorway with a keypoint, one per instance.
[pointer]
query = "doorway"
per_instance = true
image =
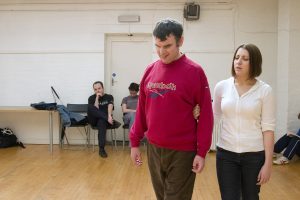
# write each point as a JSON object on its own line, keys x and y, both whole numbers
{"x": 126, "y": 61}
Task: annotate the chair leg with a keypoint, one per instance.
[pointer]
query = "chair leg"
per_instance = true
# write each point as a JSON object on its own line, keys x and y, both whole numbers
{"x": 65, "y": 136}
{"x": 87, "y": 137}
{"x": 124, "y": 138}
{"x": 94, "y": 138}
{"x": 67, "y": 139}
{"x": 115, "y": 136}
{"x": 61, "y": 134}
{"x": 112, "y": 138}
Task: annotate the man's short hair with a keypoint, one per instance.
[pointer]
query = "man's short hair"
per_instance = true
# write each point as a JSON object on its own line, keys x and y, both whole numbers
{"x": 255, "y": 60}
{"x": 166, "y": 27}
{"x": 98, "y": 82}
{"x": 134, "y": 87}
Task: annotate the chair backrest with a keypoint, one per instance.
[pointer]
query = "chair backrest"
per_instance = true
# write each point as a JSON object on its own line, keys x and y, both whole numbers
{"x": 79, "y": 108}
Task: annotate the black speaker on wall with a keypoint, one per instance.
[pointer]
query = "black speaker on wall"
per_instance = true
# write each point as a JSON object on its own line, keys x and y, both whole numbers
{"x": 191, "y": 11}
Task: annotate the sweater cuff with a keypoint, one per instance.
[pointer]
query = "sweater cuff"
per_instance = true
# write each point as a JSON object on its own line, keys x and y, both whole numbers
{"x": 201, "y": 153}
{"x": 268, "y": 127}
{"x": 134, "y": 143}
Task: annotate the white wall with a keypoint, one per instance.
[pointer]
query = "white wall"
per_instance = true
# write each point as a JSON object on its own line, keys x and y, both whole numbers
{"x": 283, "y": 66}
{"x": 294, "y": 67}
{"x": 257, "y": 24}
{"x": 288, "y": 70}
{"x": 61, "y": 43}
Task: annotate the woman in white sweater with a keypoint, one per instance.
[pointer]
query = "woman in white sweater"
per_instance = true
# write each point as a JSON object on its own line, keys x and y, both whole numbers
{"x": 246, "y": 107}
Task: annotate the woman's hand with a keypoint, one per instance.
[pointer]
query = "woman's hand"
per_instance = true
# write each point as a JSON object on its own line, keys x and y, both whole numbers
{"x": 264, "y": 174}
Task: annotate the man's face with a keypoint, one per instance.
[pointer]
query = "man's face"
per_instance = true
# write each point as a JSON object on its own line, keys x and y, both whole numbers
{"x": 98, "y": 89}
{"x": 168, "y": 50}
{"x": 133, "y": 93}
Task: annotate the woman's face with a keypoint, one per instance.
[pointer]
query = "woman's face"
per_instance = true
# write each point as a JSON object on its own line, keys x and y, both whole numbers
{"x": 242, "y": 63}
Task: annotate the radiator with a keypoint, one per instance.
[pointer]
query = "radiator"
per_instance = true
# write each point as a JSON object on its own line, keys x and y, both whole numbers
{"x": 215, "y": 136}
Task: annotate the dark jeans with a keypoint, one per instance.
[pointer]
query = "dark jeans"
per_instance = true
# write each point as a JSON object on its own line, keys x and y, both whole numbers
{"x": 237, "y": 174}
{"x": 129, "y": 118}
{"x": 292, "y": 145}
{"x": 98, "y": 118}
{"x": 171, "y": 173}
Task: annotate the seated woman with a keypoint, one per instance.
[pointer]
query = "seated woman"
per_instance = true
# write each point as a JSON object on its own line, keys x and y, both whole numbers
{"x": 129, "y": 104}
{"x": 291, "y": 142}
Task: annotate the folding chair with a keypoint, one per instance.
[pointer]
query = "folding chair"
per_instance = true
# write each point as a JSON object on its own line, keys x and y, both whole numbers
{"x": 113, "y": 134}
{"x": 82, "y": 109}
{"x": 126, "y": 127}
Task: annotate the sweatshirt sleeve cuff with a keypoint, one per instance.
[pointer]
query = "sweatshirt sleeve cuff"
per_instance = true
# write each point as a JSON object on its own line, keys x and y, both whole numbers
{"x": 134, "y": 144}
{"x": 201, "y": 153}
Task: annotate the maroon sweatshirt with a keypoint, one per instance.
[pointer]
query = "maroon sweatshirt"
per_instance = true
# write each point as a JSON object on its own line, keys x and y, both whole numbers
{"x": 168, "y": 94}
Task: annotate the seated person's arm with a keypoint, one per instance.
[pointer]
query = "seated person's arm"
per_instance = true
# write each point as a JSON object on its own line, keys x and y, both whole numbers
{"x": 125, "y": 110}
{"x": 110, "y": 109}
{"x": 96, "y": 103}
{"x": 290, "y": 133}
{"x": 93, "y": 101}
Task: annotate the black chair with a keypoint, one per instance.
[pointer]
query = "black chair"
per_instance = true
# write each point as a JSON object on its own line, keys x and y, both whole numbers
{"x": 126, "y": 127}
{"x": 82, "y": 109}
{"x": 113, "y": 134}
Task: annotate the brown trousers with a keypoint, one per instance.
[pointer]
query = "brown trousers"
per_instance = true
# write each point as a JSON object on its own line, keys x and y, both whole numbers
{"x": 171, "y": 173}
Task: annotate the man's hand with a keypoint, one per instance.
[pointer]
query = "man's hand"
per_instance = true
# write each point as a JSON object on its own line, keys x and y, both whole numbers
{"x": 99, "y": 95}
{"x": 110, "y": 119}
{"x": 196, "y": 112}
{"x": 96, "y": 104}
{"x": 198, "y": 164}
{"x": 136, "y": 156}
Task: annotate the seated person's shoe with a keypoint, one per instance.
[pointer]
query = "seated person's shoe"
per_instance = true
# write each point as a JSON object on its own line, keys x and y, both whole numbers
{"x": 115, "y": 125}
{"x": 102, "y": 153}
{"x": 281, "y": 161}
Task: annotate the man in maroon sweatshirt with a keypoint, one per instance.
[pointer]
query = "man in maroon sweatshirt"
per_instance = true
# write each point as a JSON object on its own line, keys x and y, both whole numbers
{"x": 170, "y": 88}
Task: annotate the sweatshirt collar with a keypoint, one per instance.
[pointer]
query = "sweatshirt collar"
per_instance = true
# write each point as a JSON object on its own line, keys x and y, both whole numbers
{"x": 175, "y": 62}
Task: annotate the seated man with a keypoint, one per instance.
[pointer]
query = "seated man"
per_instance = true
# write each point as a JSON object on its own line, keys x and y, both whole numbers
{"x": 291, "y": 142}
{"x": 129, "y": 104}
{"x": 100, "y": 107}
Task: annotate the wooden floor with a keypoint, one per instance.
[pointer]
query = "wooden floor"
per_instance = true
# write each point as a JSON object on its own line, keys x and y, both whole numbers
{"x": 34, "y": 174}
